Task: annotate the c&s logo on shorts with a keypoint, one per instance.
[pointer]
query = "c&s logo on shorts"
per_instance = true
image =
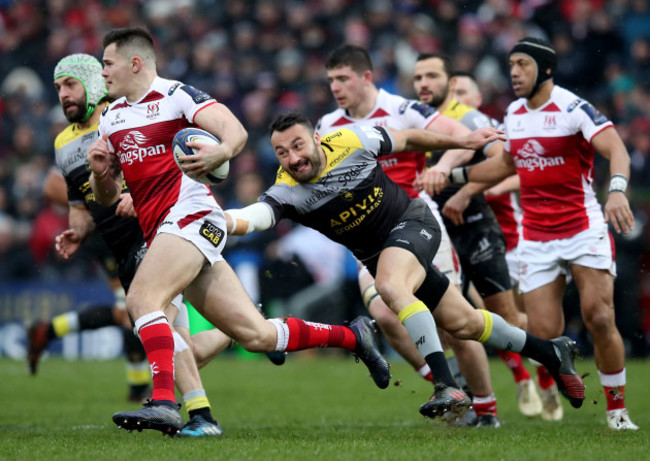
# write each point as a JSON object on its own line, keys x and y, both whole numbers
{"x": 212, "y": 233}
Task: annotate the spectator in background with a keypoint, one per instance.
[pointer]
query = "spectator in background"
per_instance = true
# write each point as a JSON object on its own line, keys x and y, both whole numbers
{"x": 640, "y": 153}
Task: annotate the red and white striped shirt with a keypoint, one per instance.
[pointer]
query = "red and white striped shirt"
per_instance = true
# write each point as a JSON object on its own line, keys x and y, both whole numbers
{"x": 140, "y": 134}
{"x": 554, "y": 158}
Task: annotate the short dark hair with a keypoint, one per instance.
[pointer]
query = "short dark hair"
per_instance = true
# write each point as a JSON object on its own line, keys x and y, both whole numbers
{"x": 285, "y": 121}
{"x": 129, "y": 36}
{"x": 464, "y": 73}
{"x": 446, "y": 61}
{"x": 349, "y": 55}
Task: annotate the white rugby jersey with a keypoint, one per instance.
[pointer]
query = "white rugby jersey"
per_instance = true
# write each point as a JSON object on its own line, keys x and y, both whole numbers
{"x": 554, "y": 158}
{"x": 141, "y": 133}
{"x": 394, "y": 112}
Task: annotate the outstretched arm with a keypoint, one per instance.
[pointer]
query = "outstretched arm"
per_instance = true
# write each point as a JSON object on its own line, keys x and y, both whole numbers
{"x": 253, "y": 218}
{"x": 414, "y": 140}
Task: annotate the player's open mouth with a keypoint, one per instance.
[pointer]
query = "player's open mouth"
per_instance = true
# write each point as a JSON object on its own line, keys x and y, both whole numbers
{"x": 303, "y": 165}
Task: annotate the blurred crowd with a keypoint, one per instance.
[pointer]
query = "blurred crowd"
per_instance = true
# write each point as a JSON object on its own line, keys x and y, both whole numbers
{"x": 262, "y": 57}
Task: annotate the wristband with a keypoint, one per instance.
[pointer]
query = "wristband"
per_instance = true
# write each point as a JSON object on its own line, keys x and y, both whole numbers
{"x": 102, "y": 175}
{"x": 618, "y": 183}
{"x": 458, "y": 175}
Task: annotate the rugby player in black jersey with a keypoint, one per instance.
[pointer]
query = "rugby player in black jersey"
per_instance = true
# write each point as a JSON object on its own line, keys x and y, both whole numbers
{"x": 335, "y": 185}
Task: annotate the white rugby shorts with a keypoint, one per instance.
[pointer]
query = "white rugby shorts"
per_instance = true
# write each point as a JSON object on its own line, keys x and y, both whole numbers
{"x": 542, "y": 262}
{"x": 512, "y": 260}
{"x": 200, "y": 220}
{"x": 446, "y": 259}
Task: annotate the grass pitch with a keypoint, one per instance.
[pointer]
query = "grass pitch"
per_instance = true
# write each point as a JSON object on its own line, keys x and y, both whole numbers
{"x": 323, "y": 408}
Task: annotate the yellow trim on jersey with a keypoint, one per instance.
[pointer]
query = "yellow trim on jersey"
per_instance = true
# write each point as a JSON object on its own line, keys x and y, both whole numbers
{"x": 411, "y": 310}
{"x": 72, "y": 132}
{"x": 338, "y": 145}
{"x": 487, "y": 331}
{"x": 457, "y": 110}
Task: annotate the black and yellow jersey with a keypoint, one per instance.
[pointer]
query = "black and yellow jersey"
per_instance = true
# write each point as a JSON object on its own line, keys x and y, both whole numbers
{"x": 352, "y": 202}
{"x": 71, "y": 146}
{"x": 473, "y": 119}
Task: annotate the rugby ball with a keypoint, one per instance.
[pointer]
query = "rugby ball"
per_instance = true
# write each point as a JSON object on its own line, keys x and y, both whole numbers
{"x": 179, "y": 147}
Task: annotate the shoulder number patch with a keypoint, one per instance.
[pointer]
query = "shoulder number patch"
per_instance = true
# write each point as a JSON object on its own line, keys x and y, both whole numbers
{"x": 423, "y": 109}
{"x": 197, "y": 96}
{"x": 593, "y": 114}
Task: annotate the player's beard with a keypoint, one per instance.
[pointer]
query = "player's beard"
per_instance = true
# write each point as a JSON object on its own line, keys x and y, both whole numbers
{"x": 437, "y": 99}
{"x": 75, "y": 113}
{"x": 315, "y": 162}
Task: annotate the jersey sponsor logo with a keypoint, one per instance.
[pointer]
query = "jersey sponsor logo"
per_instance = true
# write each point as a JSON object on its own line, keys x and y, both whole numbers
{"x": 173, "y": 88}
{"x": 131, "y": 150}
{"x": 388, "y": 162}
{"x": 117, "y": 119}
{"x": 518, "y": 128}
{"x": 425, "y": 234}
{"x": 211, "y": 233}
{"x": 139, "y": 255}
{"x": 351, "y": 174}
{"x": 483, "y": 253}
{"x": 371, "y": 132}
{"x": 594, "y": 114}
{"x": 339, "y": 158}
{"x": 474, "y": 218}
{"x": 353, "y": 216}
{"x": 423, "y": 109}
{"x": 75, "y": 157}
{"x": 347, "y": 196}
{"x": 530, "y": 157}
{"x": 573, "y": 105}
{"x": 335, "y": 135}
{"x": 89, "y": 136}
{"x": 153, "y": 110}
{"x": 479, "y": 121}
{"x": 549, "y": 122}
{"x": 197, "y": 96}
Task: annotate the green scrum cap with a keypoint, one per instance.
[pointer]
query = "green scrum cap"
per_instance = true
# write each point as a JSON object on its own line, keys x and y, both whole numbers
{"x": 88, "y": 70}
